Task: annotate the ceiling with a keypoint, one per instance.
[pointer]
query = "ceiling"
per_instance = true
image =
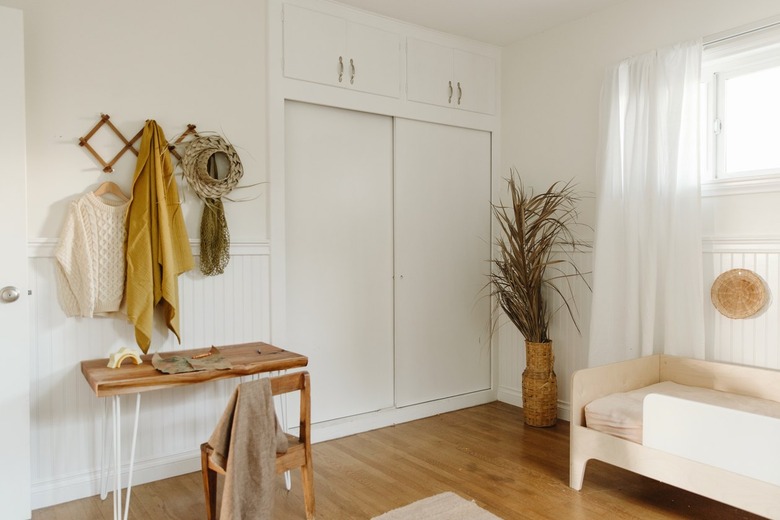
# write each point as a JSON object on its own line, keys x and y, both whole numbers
{"x": 499, "y": 22}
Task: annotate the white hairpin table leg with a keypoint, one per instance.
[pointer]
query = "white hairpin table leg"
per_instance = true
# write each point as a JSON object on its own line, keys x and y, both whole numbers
{"x": 132, "y": 453}
{"x": 105, "y": 459}
{"x": 117, "y": 459}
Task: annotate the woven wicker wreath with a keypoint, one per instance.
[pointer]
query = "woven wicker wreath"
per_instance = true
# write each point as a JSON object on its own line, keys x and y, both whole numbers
{"x": 739, "y": 293}
{"x": 195, "y": 166}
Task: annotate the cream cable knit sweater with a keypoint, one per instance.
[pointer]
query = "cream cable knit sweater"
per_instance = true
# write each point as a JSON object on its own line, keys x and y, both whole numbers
{"x": 90, "y": 256}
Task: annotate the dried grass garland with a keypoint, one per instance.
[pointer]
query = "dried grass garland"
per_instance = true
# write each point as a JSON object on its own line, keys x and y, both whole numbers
{"x": 195, "y": 167}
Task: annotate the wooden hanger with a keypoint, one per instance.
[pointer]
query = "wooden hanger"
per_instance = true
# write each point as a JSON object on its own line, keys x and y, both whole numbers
{"x": 111, "y": 188}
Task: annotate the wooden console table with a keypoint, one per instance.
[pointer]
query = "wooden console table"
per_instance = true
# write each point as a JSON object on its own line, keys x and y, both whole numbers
{"x": 246, "y": 359}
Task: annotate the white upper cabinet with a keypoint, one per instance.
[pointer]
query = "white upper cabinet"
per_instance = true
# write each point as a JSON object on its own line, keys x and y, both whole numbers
{"x": 428, "y": 72}
{"x": 374, "y": 60}
{"x": 475, "y": 81}
{"x": 333, "y": 51}
{"x": 449, "y": 77}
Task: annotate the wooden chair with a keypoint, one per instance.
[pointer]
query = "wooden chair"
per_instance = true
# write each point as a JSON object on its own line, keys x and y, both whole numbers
{"x": 298, "y": 454}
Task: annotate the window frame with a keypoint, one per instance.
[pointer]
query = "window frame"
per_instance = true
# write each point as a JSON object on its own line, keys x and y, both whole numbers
{"x": 726, "y": 57}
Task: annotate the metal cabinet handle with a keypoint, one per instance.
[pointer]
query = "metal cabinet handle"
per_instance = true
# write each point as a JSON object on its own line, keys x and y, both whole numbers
{"x": 449, "y": 98}
{"x": 460, "y": 93}
{"x": 341, "y": 68}
{"x": 354, "y": 71}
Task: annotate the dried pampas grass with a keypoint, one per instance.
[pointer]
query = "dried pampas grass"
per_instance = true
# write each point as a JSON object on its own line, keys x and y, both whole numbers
{"x": 533, "y": 227}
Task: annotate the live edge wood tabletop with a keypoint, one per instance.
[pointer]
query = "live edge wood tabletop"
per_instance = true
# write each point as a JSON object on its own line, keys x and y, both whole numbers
{"x": 246, "y": 358}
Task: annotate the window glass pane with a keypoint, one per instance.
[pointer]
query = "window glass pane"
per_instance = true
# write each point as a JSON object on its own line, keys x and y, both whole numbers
{"x": 752, "y": 114}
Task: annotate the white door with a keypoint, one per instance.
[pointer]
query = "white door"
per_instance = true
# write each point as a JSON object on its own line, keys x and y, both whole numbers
{"x": 339, "y": 255}
{"x": 15, "y": 382}
{"x": 442, "y": 252}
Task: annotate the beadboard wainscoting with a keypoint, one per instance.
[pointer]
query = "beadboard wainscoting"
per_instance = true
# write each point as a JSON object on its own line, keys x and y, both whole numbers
{"x": 66, "y": 417}
{"x": 752, "y": 341}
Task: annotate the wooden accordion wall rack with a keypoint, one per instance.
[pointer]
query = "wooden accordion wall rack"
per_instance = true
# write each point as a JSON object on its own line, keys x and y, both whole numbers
{"x": 108, "y": 167}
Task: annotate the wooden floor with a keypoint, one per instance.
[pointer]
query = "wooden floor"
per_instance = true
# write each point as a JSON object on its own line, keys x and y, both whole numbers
{"x": 483, "y": 453}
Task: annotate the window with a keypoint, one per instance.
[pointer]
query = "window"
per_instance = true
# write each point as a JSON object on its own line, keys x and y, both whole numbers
{"x": 741, "y": 110}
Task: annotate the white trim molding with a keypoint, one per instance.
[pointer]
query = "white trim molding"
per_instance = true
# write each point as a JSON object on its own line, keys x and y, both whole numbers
{"x": 44, "y": 248}
{"x": 741, "y": 186}
{"x": 740, "y": 244}
{"x": 74, "y": 486}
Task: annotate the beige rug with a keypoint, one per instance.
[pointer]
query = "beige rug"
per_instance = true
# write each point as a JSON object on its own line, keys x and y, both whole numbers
{"x": 445, "y": 506}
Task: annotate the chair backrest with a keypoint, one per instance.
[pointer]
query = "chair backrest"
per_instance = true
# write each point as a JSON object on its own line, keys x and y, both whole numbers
{"x": 298, "y": 454}
{"x": 294, "y": 382}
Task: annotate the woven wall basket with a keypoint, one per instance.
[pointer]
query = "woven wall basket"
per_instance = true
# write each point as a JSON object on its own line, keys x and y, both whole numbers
{"x": 739, "y": 294}
{"x": 540, "y": 385}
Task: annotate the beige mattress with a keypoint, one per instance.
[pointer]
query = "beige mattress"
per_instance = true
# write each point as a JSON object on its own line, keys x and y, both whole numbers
{"x": 620, "y": 414}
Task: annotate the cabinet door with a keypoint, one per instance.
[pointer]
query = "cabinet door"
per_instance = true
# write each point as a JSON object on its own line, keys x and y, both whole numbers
{"x": 313, "y": 44}
{"x": 442, "y": 240}
{"x": 329, "y": 50}
{"x": 475, "y": 82}
{"x": 428, "y": 73}
{"x": 373, "y": 63}
{"x": 339, "y": 255}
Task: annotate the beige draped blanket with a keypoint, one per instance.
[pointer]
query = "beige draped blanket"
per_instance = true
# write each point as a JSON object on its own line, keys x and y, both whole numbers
{"x": 245, "y": 443}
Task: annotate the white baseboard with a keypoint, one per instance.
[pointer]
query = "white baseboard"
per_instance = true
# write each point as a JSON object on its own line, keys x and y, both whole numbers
{"x": 382, "y": 418}
{"x": 511, "y": 396}
{"x": 83, "y": 485}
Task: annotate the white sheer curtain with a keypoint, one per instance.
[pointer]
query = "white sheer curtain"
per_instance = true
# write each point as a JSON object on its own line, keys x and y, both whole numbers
{"x": 647, "y": 274}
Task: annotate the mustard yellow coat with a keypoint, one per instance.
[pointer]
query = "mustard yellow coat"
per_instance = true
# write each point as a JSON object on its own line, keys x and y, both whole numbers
{"x": 158, "y": 248}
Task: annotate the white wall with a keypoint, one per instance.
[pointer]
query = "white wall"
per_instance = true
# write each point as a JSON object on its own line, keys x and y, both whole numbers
{"x": 204, "y": 63}
{"x": 176, "y": 61}
{"x": 552, "y": 81}
{"x": 551, "y": 87}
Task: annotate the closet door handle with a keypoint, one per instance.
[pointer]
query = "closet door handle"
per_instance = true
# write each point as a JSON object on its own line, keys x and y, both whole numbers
{"x": 354, "y": 71}
{"x": 341, "y": 68}
{"x": 460, "y": 93}
{"x": 449, "y": 98}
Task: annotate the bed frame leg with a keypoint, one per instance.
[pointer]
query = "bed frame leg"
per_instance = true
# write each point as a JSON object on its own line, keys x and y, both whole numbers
{"x": 577, "y": 473}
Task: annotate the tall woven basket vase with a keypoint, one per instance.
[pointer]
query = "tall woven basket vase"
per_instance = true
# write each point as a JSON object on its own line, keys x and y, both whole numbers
{"x": 540, "y": 385}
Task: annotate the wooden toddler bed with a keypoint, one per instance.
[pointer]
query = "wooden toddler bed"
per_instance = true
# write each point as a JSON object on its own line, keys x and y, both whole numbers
{"x": 726, "y": 454}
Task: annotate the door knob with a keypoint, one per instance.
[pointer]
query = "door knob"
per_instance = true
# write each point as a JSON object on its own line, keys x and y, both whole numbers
{"x": 9, "y": 294}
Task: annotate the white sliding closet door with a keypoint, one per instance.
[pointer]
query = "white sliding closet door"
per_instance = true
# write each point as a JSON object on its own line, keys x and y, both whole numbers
{"x": 339, "y": 255}
{"x": 442, "y": 248}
